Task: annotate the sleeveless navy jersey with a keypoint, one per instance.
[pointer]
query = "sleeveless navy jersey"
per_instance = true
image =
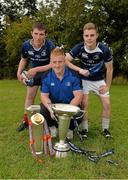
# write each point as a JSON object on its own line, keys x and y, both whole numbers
{"x": 93, "y": 60}
{"x": 35, "y": 57}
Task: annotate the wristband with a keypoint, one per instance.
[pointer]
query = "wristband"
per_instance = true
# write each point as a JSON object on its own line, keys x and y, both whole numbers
{"x": 81, "y": 70}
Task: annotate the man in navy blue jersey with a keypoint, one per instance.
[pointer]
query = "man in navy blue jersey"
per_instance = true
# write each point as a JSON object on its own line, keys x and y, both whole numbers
{"x": 60, "y": 85}
{"x": 96, "y": 72}
{"x": 36, "y": 53}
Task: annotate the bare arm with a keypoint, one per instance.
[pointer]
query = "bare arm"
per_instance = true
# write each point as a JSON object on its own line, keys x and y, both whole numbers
{"x": 109, "y": 74}
{"x": 21, "y": 67}
{"x": 77, "y": 97}
{"x": 32, "y": 72}
{"x": 81, "y": 71}
{"x": 45, "y": 100}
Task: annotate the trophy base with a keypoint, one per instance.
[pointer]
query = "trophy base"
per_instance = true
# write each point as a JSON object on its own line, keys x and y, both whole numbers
{"x": 61, "y": 149}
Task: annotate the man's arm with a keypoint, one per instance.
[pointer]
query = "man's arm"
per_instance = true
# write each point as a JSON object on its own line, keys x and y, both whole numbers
{"x": 32, "y": 72}
{"x": 78, "y": 94}
{"x": 21, "y": 67}
{"x": 45, "y": 100}
{"x": 47, "y": 103}
{"x": 68, "y": 59}
{"x": 109, "y": 74}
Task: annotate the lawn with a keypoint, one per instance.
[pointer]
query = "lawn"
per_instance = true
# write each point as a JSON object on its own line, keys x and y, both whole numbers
{"x": 17, "y": 162}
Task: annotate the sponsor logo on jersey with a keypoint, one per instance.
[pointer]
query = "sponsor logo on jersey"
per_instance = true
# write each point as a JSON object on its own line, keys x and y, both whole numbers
{"x": 37, "y": 56}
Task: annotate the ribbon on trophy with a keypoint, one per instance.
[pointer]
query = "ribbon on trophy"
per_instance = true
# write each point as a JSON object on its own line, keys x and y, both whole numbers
{"x": 40, "y": 138}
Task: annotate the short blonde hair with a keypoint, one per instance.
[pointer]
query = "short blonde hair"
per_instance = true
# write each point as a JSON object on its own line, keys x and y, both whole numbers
{"x": 90, "y": 25}
{"x": 57, "y": 52}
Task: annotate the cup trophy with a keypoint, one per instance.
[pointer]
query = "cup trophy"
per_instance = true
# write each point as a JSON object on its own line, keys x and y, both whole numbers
{"x": 64, "y": 112}
{"x": 36, "y": 129}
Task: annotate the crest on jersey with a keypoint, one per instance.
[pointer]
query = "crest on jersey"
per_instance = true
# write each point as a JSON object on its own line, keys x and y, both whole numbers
{"x": 52, "y": 84}
{"x": 96, "y": 57}
{"x": 43, "y": 53}
{"x": 68, "y": 83}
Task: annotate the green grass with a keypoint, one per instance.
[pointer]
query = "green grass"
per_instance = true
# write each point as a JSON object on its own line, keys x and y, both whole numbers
{"x": 16, "y": 160}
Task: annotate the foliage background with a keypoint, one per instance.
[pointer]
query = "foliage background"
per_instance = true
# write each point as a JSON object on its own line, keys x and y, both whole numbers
{"x": 65, "y": 20}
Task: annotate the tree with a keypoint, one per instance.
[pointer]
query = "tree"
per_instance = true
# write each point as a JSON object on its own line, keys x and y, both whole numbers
{"x": 65, "y": 20}
{"x": 112, "y": 20}
{"x": 14, "y": 36}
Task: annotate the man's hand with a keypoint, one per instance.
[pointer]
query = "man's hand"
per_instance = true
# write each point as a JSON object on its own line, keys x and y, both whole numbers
{"x": 21, "y": 78}
{"x": 103, "y": 89}
{"x": 84, "y": 72}
{"x": 31, "y": 73}
{"x": 53, "y": 115}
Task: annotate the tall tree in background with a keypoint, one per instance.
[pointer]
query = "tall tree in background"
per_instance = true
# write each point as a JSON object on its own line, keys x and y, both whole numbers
{"x": 65, "y": 20}
{"x": 111, "y": 16}
{"x": 11, "y": 14}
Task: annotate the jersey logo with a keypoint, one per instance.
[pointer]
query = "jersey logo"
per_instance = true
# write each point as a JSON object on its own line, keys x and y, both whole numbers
{"x": 43, "y": 53}
{"x": 84, "y": 55}
{"x": 37, "y": 56}
{"x": 52, "y": 84}
{"x": 31, "y": 53}
{"x": 68, "y": 84}
{"x": 96, "y": 57}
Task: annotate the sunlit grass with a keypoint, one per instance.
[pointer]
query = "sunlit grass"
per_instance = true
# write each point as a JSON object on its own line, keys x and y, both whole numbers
{"x": 16, "y": 160}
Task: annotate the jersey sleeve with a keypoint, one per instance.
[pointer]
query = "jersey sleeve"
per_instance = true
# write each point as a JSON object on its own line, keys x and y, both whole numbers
{"x": 45, "y": 86}
{"x": 51, "y": 45}
{"x": 75, "y": 50}
{"x": 24, "y": 53}
{"x": 107, "y": 55}
{"x": 77, "y": 84}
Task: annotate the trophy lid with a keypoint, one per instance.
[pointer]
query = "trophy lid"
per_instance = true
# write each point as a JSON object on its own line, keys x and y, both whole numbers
{"x": 65, "y": 108}
{"x": 37, "y": 119}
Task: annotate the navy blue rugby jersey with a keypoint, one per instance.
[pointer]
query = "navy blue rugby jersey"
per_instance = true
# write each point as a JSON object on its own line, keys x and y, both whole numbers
{"x": 36, "y": 57}
{"x": 93, "y": 60}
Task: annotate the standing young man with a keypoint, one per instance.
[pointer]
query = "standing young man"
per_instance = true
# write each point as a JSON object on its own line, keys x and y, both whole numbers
{"x": 36, "y": 53}
{"x": 94, "y": 57}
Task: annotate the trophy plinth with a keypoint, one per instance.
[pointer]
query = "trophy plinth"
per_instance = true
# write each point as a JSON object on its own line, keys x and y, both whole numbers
{"x": 65, "y": 113}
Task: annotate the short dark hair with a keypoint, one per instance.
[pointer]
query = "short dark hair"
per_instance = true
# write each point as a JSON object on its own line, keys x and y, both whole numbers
{"x": 40, "y": 26}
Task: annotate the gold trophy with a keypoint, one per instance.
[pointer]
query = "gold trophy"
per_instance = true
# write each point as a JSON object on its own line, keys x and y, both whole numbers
{"x": 64, "y": 112}
{"x": 36, "y": 129}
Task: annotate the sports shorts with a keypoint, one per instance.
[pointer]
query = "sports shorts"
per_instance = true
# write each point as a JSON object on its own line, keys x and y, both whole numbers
{"x": 93, "y": 86}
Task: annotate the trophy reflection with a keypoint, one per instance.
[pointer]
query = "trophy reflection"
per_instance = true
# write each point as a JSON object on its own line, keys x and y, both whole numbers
{"x": 64, "y": 112}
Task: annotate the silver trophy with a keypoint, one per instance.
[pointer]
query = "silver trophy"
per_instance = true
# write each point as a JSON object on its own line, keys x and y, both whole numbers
{"x": 64, "y": 112}
{"x": 36, "y": 129}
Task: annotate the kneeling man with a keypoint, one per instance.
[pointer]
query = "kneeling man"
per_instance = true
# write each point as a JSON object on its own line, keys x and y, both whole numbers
{"x": 60, "y": 85}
